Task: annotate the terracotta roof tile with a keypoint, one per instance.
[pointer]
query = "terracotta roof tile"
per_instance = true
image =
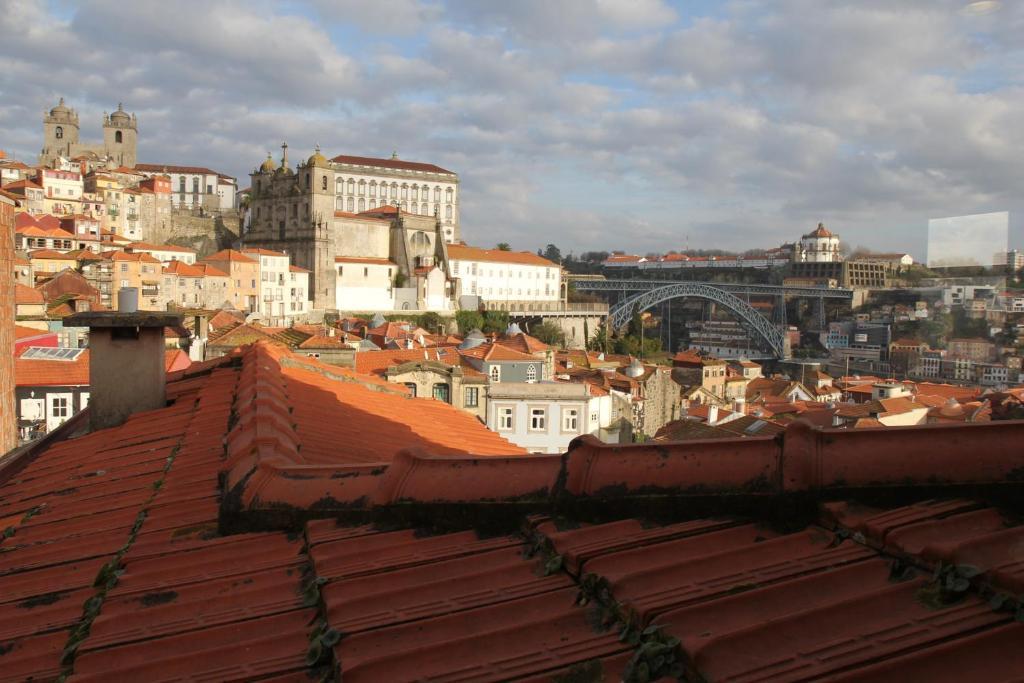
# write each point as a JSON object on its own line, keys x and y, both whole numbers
{"x": 462, "y": 252}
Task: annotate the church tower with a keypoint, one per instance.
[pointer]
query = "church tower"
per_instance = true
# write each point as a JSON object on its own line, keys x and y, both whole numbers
{"x": 60, "y": 133}
{"x": 120, "y": 137}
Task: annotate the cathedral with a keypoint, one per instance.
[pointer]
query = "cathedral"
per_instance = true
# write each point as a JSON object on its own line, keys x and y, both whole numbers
{"x": 60, "y": 138}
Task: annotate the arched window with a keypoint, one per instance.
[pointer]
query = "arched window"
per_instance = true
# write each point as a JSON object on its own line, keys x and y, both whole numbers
{"x": 531, "y": 373}
{"x": 416, "y": 192}
{"x": 59, "y": 132}
{"x": 448, "y": 195}
{"x": 405, "y": 191}
{"x": 339, "y": 186}
{"x": 394, "y": 190}
{"x": 362, "y": 205}
{"x": 118, "y": 137}
{"x": 437, "y": 194}
{"x": 351, "y": 204}
{"x": 351, "y": 186}
{"x": 373, "y": 188}
{"x": 495, "y": 373}
{"x": 323, "y": 183}
{"x": 362, "y": 187}
{"x": 448, "y": 212}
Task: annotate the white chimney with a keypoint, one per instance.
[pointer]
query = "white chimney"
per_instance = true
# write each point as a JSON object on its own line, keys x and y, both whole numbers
{"x": 128, "y": 299}
{"x": 739, "y": 405}
{"x": 712, "y": 414}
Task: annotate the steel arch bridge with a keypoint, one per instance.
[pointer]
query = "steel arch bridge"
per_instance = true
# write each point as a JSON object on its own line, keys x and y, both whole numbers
{"x": 620, "y": 313}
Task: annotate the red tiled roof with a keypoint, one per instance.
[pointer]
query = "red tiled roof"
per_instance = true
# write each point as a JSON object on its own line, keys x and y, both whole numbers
{"x": 398, "y": 164}
{"x": 37, "y": 372}
{"x": 262, "y": 252}
{"x": 49, "y": 254}
{"x": 368, "y": 261}
{"x": 172, "y": 168}
{"x": 229, "y": 255}
{"x": 160, "y": 247}
{"x": 123, "y": 544}
{"x": 26, "y": 295}
{"x": 224, "y": 319}
{"x": 523, "y": 343}
{"x": 376, "y": 362}
{"x": 460, "y": 252}
{"x": 297, "y": 269}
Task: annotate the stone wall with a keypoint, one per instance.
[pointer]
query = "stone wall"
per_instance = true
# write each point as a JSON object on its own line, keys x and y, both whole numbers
{"x": 206, "y": 234}
{"x": 8, "y": 425}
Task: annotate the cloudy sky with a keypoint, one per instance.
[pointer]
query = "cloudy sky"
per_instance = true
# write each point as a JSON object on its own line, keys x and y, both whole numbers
{"x": 643, "y": 125}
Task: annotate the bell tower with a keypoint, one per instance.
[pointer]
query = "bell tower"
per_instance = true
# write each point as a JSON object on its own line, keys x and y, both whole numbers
{"x": 60, "y": 133}
{"x": 120, "y": 137}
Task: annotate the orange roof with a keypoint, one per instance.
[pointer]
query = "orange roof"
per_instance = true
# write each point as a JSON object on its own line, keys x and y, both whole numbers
{"x": 26, "y": 295}
{"x": 820, "y": 231}
{"x": 229, "y": 255}
{"x": 160, "y": 247}
{"x": 523, "y": 343}
{"x": 368, "y": 261}
{"x": 297, "y": 269}
{"x": 141, "y": 257}
{"x": 22, "y": 332}
{"x": 225, "y": 319}
{"x": 183, "y": 269}
{"x": 34, "y": 372}
{"x": 376, "y": 362}
{"x": 49, "y": 254}
{"x": 461, "y": 252}
{"x": 398, "y": 164}
{"x": 263, "y": 252}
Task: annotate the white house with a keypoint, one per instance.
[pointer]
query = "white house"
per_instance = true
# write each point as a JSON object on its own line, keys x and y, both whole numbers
{"x": 363, "y": 183}
{"x": 283, "y": 288}
{"x": 506, "y": 280}
{"x": 543, "y": 417}
{"x": 365, "y": 284}
{"x": 820, "y": 246}
{"x": 194, "y": 187}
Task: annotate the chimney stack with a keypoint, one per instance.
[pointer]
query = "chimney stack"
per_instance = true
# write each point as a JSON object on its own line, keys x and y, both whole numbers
{"x": 712, "y": 415}
{"x": 126, "y": 361}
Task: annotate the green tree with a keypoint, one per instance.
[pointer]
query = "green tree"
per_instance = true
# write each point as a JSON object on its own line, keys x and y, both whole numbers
{"x": 495, "y": 321}
{"x": 552, "y": 253}
{"x": 549, "y": 333}
{"x": 503, "y": 246}
{"x": 429, "y": 321}
{"x": 468, "y": 321}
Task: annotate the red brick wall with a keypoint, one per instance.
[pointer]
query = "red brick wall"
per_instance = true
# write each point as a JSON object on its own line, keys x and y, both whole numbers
{"x": 8, "y": 419}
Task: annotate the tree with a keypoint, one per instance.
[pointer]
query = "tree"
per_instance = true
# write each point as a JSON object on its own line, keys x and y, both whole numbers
{"x": 495, "y": 321}
{"x": 552, "y": 253}
{"x": 503, "y": 246}
{"x": 549, "y": 333}
{"x": 429, "y": 321}
{"x": 469, "y": 321}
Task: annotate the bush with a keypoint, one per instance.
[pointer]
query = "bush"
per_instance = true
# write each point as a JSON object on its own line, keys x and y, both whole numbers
{"x": 495, "y": 321}
{"x": 549, "y": 333}
{"x": 468, "y": 321}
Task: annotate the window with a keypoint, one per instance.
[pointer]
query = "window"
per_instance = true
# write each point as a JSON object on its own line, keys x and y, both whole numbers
{"x": 506, "y": 419}
{"x": 411, "y": 387}
{"x": 441, "y": 392}
{"x": 362, "y": 205}
{"x": 60, "y": 406}
{"x": 437, "y": 194}
{"x": 570, "y": 420}
{"x": 351, "y": 186}
{"x": 448, "y": 195}
{"x": 366, "y": 272}
{"x": 405, "y": 191}
{"x": 59, "y": 132}
{"x": 351, "y": 205}
{"x": 531, "y": 373}
{"x": 448, "y": 212}
{"x": 362, "y": 187}
{"x": 538, "y": 419}
{"x": 495, "y": 373}
{"x": 472, "y": 397}
{"x": 117, "y": 137}
{"x": 323, "y": 183}
{"x": 124, "y": 267}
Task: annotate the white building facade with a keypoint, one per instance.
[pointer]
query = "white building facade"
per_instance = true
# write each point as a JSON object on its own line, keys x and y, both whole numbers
{"x": 195, "y": 187}
{"x": 820, "y": 246}
{"x": 364, "y": 183}
{"x": 544, "y": 417}
{"x": 365, "y": 284}
{"x": 283, "y": 288}
{"x": 505, "y": 280}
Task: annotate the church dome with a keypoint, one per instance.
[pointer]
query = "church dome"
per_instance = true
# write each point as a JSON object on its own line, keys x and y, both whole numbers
{"x": 317, "y": 159}
{"x": 820, "y": 232}
{"x": 120, "y": 115}
{"x": 268, "y": 165}
{"x": 61, "y": 108}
